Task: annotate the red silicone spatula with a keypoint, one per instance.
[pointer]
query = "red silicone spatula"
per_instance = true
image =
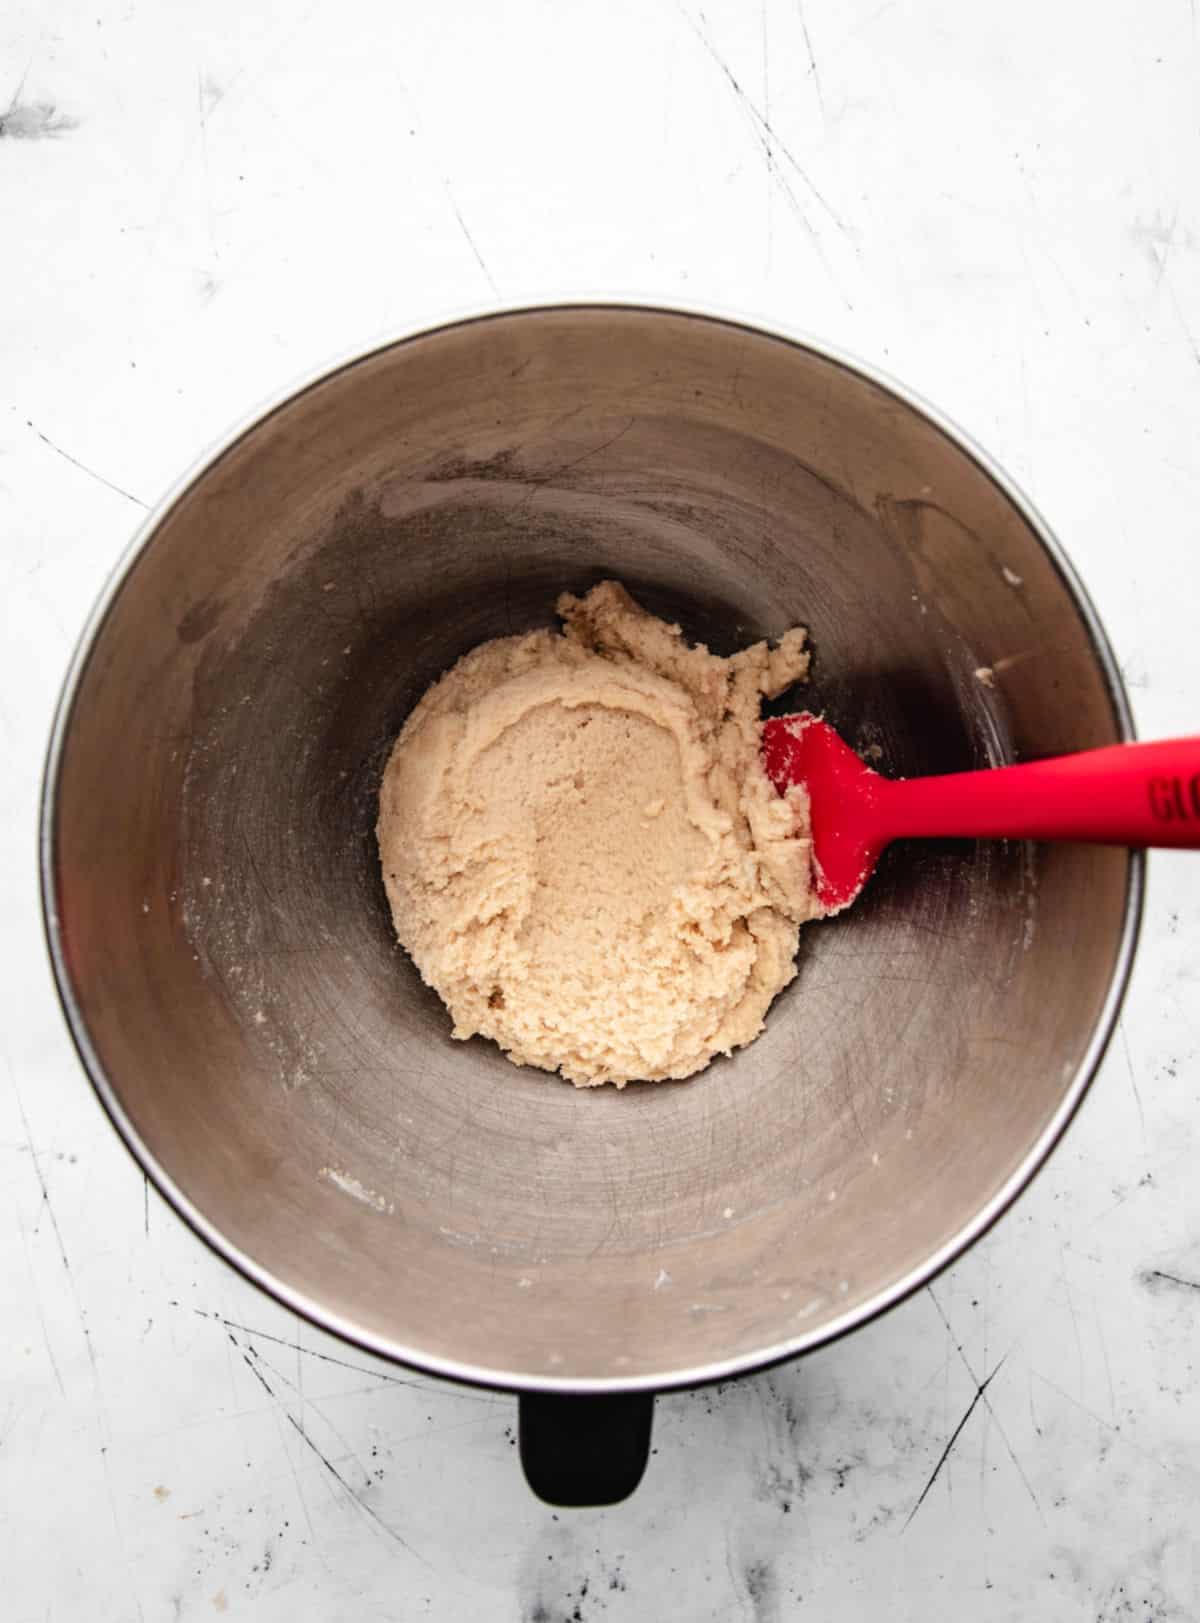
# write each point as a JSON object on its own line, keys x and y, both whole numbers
{"x": 1126, "y": 794}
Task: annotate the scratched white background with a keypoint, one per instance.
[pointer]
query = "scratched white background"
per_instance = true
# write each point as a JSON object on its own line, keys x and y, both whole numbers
{"x": 999, "y": 203}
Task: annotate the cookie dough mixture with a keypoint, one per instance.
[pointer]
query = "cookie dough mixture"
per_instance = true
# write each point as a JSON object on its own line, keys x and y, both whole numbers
{"x": 583, "y": 853}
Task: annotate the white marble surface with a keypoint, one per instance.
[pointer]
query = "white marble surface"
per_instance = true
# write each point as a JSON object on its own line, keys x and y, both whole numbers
{"x": 1000, "y": 203}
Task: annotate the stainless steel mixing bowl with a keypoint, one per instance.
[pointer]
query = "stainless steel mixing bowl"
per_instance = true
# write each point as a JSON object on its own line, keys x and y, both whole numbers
{"x": 218, "y": 924}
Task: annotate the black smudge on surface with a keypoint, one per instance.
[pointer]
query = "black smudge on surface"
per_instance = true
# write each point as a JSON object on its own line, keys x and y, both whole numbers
{"x": 762, "y": 1590}
{"x": 35, "y": 121}
{"x": 1158, "y": 1279}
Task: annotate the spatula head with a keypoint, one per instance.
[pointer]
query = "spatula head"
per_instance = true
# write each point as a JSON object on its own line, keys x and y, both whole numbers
{"x": 842, "y": 794}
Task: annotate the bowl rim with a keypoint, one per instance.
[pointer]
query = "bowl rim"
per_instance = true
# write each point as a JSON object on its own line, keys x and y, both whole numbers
{"x": 311, "y": 1309}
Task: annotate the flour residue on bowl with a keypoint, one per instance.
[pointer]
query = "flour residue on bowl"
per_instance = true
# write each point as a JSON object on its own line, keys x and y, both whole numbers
{"x": 350, "y": 1185}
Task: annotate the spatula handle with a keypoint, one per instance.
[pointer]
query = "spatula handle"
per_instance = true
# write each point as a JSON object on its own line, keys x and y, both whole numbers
{"x": 1126, "y": 794}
